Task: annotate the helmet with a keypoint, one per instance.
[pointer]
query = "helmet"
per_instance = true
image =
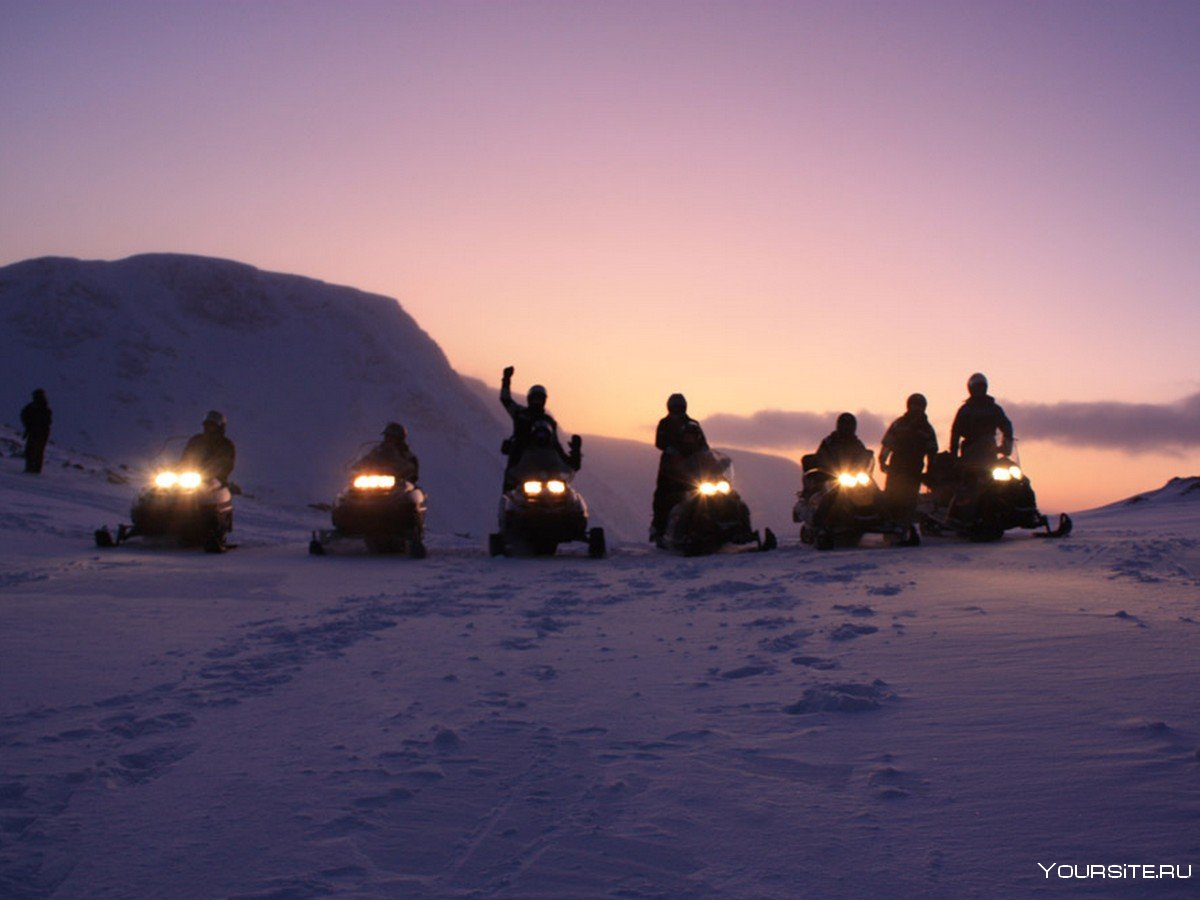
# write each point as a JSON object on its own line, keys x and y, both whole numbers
{"x": 395, "y": 430}
{"x": 677, "y": 403}
{"x": 536, "y": 392}
{"x": 917, "y": 403}
{"x": 215, "y": 418}
{"x": 977, "y": 384}
{"x": 847, "y": 423}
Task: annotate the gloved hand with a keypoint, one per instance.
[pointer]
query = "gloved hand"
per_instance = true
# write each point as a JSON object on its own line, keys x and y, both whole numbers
{"x": 576, "y": 442}
{"x": 508, "y": 373}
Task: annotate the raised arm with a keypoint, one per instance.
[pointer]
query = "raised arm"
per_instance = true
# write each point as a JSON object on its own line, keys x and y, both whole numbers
{"x": 506, "y": 392}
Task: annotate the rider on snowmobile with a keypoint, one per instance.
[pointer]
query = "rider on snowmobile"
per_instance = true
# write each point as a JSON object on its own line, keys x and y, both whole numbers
{"x": 392, "y": 456}
{"x": 973, "y": 434}
{"x": 841, "y": 449}
{"x": 543, "y": 453}
{"x": 211, "y": 452}
{"x": 678, "y": 434}
{"x": 524, "y": 418}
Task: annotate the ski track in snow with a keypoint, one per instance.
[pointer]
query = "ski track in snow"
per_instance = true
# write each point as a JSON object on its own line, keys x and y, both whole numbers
{"x": 744, "y": 725}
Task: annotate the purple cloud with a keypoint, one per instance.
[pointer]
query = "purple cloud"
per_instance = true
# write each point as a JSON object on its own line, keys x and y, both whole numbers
{"x": 784, "y": 430}
{"x": 1135, "y": 427}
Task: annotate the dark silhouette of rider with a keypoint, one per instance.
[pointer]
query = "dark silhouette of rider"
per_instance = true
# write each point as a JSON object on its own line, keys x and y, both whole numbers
{"x": 210, "y": 451}
{"x": 678, "y": 434}
{"x": 973, "y": 434}
{"x": 841, "y": 450}
{"x": 524, "y": 419}
{"x": 392, "y": 456}
{"x": 907, "y": 445}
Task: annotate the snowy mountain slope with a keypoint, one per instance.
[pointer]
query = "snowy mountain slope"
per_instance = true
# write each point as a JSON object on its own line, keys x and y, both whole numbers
{"x": 136, "y": 351}
{"x": 930, "y": 722}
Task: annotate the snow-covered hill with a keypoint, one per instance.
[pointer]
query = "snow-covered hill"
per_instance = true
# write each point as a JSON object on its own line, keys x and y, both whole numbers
{"x": 941, "y": 721}
{"x": 135, "y": 352}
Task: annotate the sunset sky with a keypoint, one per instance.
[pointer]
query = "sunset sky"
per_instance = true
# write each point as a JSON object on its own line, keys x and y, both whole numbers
{"x": 789, "y": 206}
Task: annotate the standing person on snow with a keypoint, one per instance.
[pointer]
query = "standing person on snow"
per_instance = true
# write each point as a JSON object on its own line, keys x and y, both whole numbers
{"x": 35, "y": 419}
{"x": 908, "y": 443}
{"x": 675, "y": 430}
{"x": 210, "y": 452}
{"x": 973, "y": 434}
{"x": 524, "y": 418}
{"x": 392, "y": 456}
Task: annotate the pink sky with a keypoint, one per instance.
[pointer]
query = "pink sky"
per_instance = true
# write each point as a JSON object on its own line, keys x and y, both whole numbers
{"x": 794, "y": 206}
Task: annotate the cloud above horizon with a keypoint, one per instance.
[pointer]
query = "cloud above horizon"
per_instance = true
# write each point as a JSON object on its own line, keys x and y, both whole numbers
{"x": 1133, "y": 427}
{"x": 784, "y": 430}
{"x": 1105, "y": 425}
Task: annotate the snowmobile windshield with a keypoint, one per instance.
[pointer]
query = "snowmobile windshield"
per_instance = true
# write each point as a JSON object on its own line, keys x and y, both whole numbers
{"x": 709, "y": 465}
{"x": 542, "y": 463}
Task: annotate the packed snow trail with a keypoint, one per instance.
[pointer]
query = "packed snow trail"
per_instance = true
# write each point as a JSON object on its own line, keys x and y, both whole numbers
{"x": 934, "y": 721}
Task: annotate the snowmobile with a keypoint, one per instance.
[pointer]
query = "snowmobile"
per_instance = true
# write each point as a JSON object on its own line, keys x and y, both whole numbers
{"x": 710, "y": 513}
{"x": 386, "y": 512}
{"x": 982, "y": 505}
{"x": 540, "y": 510}
{"x": 184, "y": 504}
{"x": 840, "y": 507}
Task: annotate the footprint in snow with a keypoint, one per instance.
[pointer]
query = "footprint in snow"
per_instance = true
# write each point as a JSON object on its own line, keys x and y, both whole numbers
{"x": 815, "y": 662}
{"x": 891, "y": 783}
{"x": 770, "y": 623}
{"x": 747, "y": 672}
{"x": 854, "y": 609}
{"x": 848, "y": 631}
{"x": 842, "y": 697}
{"x": 785, "y": 643}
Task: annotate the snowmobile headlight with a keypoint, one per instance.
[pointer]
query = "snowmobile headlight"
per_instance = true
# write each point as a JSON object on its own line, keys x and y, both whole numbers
{"x": 723, "y": 487}
{"x": 707, "y": 488}
{"x": 556, "y": 487}
{"x": 1015, "y": 472}
{"x": 189, "y": 481}
{"x": 1002, "y": 473}
{"x": 532, "y": 487}
{"x": 863, "y": 479}
{"x": 847, "y": 479}
{"x": 166, "y": 480}
{"x": 375, "y": 482}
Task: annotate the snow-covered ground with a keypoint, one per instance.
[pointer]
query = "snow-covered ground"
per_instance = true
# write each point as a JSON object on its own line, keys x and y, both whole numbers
{"x": 934, "y": 721}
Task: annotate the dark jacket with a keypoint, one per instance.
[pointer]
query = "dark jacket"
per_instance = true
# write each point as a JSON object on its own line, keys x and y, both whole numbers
{"x": 975, "y": 426}
{"x": 391, "y": 458}
{"x": 212, "y": 454}
{"x": 839, "y": 452}
{"x": 35, "y": 419}
{"x": 907, "y": 443}
{"x": 524, "y": 419}
{"x": 670, "y": 430}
